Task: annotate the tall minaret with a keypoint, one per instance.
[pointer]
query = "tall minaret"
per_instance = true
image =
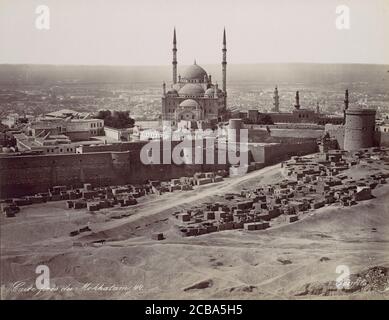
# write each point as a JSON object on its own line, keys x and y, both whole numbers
{"x": 174, "y": 57}
{"x": 297, "y": 105}
{"x": 346, "y": 101}
{"x": 276, "y": 100}
{"x": 224, "y": 62}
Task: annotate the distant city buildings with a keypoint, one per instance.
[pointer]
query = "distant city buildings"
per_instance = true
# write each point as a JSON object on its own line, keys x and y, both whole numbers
{"x": 297, "y": 115}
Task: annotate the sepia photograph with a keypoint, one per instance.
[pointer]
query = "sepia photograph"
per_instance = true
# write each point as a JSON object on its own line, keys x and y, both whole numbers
{"x": 204, "y": 151}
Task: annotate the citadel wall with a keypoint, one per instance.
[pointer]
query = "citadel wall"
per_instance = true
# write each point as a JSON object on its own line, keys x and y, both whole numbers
{"x": 21, "y": 175}
{"x": 336, "y": 132}
{"x": 275, "y": 152}
{"x": 381, "y": 138}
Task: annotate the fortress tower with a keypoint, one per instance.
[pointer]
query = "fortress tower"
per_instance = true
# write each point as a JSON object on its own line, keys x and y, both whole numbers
{"x": 359, "y": 128}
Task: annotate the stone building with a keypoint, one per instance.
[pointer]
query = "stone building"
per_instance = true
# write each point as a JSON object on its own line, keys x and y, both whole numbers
{"x": 193, "y": 97}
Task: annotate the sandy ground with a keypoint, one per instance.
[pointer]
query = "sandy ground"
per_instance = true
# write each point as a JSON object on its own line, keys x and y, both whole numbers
{"x": 268, "y": 264}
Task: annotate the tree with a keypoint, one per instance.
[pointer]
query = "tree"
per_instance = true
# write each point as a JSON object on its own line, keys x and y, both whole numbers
{"x": 116, "y": 119}
{"x": 263, "y": 118}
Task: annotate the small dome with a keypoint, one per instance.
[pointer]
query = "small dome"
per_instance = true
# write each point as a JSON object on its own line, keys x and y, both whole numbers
{"x": 189, "y": 103}
{"x": 191, "y": 89}
{"x": 173, "y": 92}
{"x": 176, "y": 86}
{"x": 209, "y": 92}
{"x": 194, "y": 72}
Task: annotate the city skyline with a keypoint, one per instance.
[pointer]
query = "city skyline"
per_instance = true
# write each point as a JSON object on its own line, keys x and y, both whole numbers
{"x": 140, "y": 32}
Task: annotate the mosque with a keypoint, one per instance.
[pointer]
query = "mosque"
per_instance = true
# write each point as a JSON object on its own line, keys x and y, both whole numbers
{"x": 193, "y": 99}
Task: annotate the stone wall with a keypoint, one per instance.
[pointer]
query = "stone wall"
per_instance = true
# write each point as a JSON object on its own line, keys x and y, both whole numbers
{"x": 275, "y": 152}
{"x": 22, "y": 175}
{"x": 336, "y": 132}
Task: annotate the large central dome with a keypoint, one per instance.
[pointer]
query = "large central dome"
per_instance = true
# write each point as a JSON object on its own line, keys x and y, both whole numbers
{"x": 194, "y": 72}
{"x": 191, "y": 89}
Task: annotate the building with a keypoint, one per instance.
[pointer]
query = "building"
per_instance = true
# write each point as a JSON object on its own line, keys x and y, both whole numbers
{"x": 297, "y": 115}
{"x": 301, "y": 115}
{"x": 75, "y": 129}
{"x": 193, "y": 96}
{"x": 123, "y": 134}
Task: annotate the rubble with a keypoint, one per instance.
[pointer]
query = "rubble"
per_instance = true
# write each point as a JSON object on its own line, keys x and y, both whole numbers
{"x": 311, "y": 183}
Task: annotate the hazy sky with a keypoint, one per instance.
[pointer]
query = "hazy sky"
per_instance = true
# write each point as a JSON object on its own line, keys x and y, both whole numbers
{"x": 139, "y": 32}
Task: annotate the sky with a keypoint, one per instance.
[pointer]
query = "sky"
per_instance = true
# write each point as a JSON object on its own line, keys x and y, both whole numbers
{"x": 139, "y": 32}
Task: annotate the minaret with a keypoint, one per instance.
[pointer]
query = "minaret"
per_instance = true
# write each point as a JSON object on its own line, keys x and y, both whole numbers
{"x": 276, "y": 100}
{"x": 164, "y": 88}
{"x": 174, "y": 57}
{"x": 317, "y": 107}
{"x": 224, "y": 62}
{"x": 346, "y": 101}
{"x": 297, "y": 105}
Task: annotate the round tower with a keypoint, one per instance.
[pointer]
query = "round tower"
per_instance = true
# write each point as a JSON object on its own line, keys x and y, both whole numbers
{"x": 359, "y": 129}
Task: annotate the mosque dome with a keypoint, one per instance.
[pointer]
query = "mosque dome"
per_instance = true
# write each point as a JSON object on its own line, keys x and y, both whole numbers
{"x": 189, "y": 103}
{"x": 209, "y": 92}
{"x": 191, "y": 89}
{"x": 172, "y": 92}
{"x": 176, "y": 86}
{"x": 194, "y": 72}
